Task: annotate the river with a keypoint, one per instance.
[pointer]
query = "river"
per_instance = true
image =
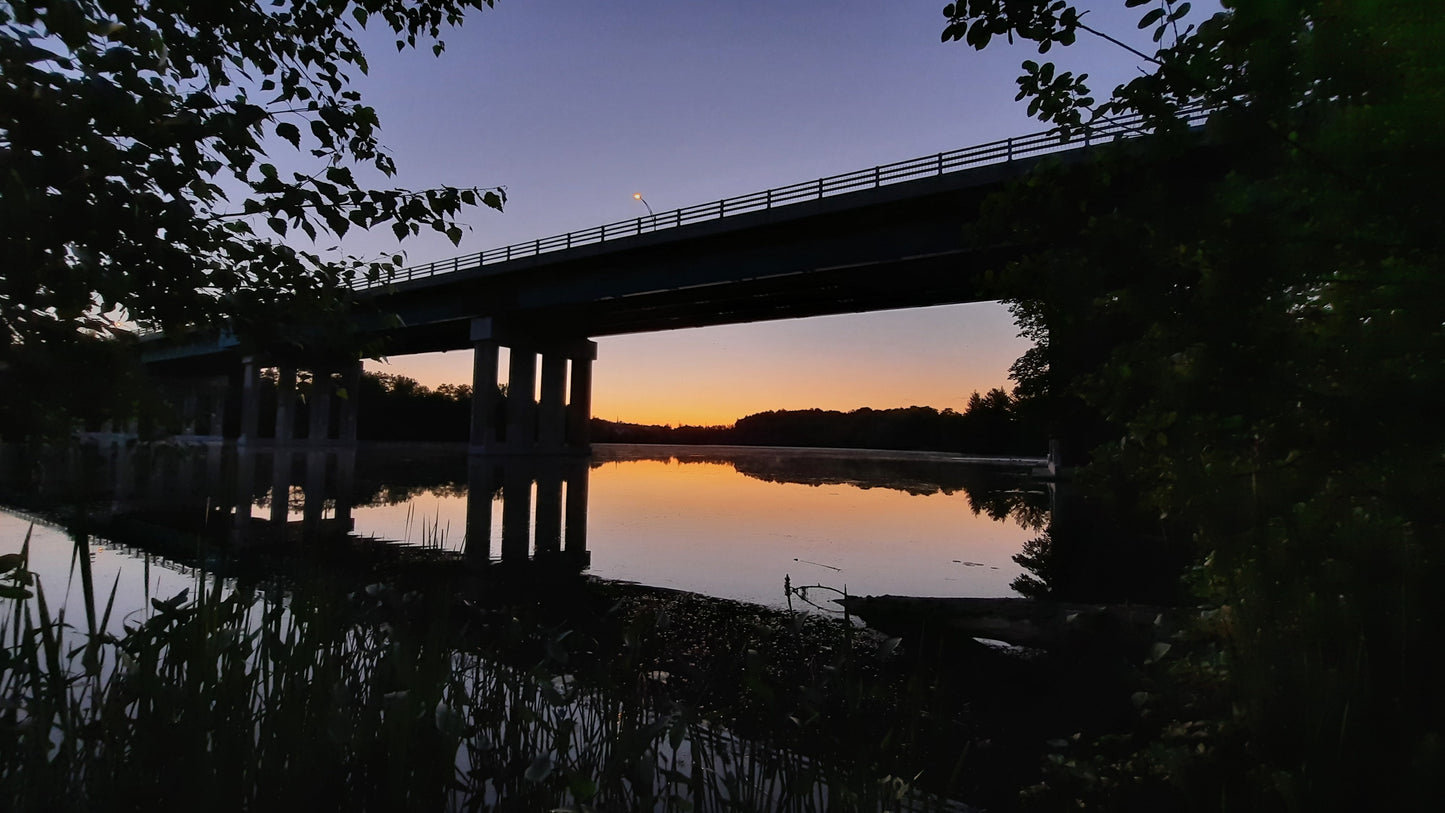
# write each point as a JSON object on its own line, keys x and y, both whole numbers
{"x": 545, "y": 668}
{"x": 728, "y": 522}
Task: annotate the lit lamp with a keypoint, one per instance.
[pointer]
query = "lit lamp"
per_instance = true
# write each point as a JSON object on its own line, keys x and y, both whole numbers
{"x": 638, "y": 196}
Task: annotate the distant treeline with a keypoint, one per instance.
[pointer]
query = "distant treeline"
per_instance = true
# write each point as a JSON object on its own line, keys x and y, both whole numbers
{"x": 991, "y": 424}
{"x": 395, "y": 407}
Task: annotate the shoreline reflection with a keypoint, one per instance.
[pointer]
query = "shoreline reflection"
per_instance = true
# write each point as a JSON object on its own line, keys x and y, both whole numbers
{"x": 723, "y": 521}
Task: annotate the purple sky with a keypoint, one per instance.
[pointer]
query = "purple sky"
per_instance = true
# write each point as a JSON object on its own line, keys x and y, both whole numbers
{"x": 574, "y": 106}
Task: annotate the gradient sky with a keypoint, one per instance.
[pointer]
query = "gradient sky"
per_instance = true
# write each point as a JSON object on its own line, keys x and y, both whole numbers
{"x": 574, "y": 106}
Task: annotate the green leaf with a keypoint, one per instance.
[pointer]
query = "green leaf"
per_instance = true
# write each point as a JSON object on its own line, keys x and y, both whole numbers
{"x": 322, "y": 133}
{"x": 341, "y": 176}
{"x": 1151, "y": 18}
{"x": 290, "y": 132}
{"x": 455, "y": 235}
{"x": 277, "y": 225}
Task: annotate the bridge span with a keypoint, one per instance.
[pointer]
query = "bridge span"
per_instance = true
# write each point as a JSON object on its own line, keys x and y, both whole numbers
{"x": 883, "y": 238}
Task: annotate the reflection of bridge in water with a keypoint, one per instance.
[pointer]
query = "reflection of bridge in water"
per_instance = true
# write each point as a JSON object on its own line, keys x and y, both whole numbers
{"x": 369, "y": 508}
{"x": 250, "y": 500}
{"x": 167, "y": 499}
{"x": 543, "y": 503}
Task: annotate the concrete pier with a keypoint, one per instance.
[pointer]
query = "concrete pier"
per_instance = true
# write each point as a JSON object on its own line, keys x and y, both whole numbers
{"x": 530, "y": 422}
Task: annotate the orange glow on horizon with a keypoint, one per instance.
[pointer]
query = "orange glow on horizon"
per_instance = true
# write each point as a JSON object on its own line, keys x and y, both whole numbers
{"x": 934, "y": 357}
{"x": 661, "y": 414}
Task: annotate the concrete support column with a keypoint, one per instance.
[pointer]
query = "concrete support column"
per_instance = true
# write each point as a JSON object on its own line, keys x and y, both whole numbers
{"x": 484, "y": 396}
{"x": 190, "y": 405}
{"x": 250, "y": 400}
{"x": 320, "y": 404}
{"x": 351, "y": 384}
{"x": 215, "y": 466}
{"x": 217, "y": 415}
{"x": 579, "y": 411}
{"x": 535, "y": 423}
{"x": 521, "y": 404}
{"x": 285, "y": 403}
{"x": 552, "y": 410}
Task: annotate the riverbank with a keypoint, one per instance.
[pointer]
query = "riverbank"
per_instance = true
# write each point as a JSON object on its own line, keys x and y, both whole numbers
{"x": 661, "y": 687}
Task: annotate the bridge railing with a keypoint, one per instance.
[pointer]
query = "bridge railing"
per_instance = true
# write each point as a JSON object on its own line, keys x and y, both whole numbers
{"x": 993, "y": 152}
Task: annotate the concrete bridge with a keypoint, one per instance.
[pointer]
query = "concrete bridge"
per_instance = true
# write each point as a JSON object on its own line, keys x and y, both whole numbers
{"x": 887, "y": 237}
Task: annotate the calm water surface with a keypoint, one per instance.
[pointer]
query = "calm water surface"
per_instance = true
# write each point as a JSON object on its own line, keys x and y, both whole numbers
{"x": 722, "y": 521}
{"x": 726, "y": 522}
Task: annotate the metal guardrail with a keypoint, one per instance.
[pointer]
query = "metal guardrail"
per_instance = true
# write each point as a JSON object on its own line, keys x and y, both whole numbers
{"x": 993, "y": 152}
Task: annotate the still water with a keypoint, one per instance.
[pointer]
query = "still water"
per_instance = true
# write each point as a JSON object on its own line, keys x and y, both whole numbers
{"x": 728, "y": 522}
{"x": 660, "y": 705}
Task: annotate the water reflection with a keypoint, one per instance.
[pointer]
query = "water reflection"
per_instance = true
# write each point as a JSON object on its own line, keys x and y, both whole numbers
{"x": 728, "y": 522}
{"x": 1087, "y": 550}
{"x": 382, "y": 699}
{"x": 669, "y": 703}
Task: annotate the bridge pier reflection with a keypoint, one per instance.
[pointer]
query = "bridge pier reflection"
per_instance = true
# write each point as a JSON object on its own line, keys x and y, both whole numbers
{"x": 268, "y": 477}
{"x": 543, "y": 503}
{"x": 527, "y": 532}
{"x": 337, "y": 502}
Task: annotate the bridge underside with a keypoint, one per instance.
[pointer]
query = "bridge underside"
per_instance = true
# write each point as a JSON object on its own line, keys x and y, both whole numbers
{"x": 912, "y": 282}
{"x": 883, "y": 249}
{"x": 900, "y": 246}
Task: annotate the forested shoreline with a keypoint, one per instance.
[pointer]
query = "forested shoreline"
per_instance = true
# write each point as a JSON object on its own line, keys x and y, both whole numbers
{"x": 992, "y": 423}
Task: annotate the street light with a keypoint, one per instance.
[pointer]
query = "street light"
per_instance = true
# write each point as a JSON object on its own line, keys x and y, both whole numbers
{"x": 653, "y": 217}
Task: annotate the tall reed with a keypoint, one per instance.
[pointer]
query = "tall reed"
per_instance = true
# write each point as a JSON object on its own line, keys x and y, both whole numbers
{"x": 227, "y": 697}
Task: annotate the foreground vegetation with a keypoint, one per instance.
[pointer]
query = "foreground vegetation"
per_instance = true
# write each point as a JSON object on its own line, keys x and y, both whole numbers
{"x": 1240, "y": 326}
{"x": 524, "y": 691}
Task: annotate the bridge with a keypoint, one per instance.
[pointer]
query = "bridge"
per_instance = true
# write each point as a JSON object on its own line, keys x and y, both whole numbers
{"x": 882, "y": 238}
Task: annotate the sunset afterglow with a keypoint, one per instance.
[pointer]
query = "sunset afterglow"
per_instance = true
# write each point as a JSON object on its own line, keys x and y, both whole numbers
{"x": 712, "y": 376}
